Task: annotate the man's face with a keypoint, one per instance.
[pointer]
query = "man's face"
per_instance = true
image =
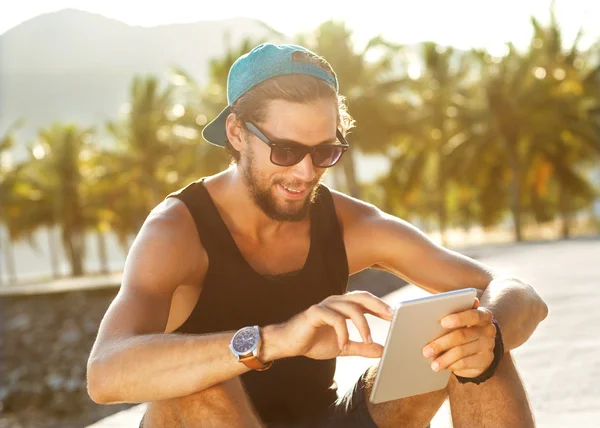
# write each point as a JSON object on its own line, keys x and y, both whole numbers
{"x": 285, "y": 193}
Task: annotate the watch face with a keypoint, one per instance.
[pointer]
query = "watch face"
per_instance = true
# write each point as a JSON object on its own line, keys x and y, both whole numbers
{"x": 245, "y": 340}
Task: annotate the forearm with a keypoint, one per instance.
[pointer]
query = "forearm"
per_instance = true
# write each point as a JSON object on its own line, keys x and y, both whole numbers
{"x": 517, "y": 308}
{"x": 161, "y": 366}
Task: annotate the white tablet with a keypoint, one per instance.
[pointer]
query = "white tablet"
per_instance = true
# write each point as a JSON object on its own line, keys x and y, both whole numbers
{"x": 403, "y": 370}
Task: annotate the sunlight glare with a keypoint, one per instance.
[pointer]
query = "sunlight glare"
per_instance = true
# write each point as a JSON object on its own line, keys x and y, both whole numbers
{"x": 539, "y": 72}
{"x": 38, "y": 151}
{"x": 414, "y": 70}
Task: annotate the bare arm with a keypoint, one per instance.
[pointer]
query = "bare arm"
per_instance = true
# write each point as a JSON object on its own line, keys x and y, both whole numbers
{"x": 376, "y": 239}
{"x": 133, "y": 359}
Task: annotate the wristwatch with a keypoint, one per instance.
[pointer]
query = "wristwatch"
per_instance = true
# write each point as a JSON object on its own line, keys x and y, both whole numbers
{"x": 245, "y": 345}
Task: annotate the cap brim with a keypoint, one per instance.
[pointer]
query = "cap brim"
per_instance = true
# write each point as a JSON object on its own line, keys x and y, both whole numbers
{"x": 215, "y": 132}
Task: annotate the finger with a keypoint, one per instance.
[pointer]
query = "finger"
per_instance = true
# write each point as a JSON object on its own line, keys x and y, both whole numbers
{"x": 367, "y": 350}
{"x": 473, "y": 365}
{"x": 468, "y": 318}
{"x": 354, "y": 312}
{"x": 483, "y": 344}
{"x": 476, "y": 303}
{"x": 457, "y": 338}
{"x": 322, "y": 315}
{"x": 372, "y": 304}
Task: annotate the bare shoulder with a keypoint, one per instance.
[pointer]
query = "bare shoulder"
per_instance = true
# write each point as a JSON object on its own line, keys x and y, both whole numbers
{"x": 352, "y": 211}
{"x": 356, "y": 215}
{"x": 167, "y": 251}
{"x": 353, "y": 216}
{"x": 165, "y": 255}
{"x": 371, "y": 235}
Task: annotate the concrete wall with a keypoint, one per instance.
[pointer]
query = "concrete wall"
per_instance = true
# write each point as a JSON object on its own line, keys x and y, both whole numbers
{"x": 45, "y": 340}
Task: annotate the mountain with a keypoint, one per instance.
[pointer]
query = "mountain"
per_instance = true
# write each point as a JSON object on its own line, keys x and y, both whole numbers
{"x": 77, "y": 66}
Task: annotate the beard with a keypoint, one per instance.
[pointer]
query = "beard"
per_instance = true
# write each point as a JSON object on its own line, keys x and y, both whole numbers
{"x": 260, "y": 192}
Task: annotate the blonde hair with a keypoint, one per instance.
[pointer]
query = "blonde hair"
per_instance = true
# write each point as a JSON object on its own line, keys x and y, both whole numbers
{"x": 298, "y": 88}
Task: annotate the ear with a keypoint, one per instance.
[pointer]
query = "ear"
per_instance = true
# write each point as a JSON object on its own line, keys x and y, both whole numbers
{"x": 235, "y": 133}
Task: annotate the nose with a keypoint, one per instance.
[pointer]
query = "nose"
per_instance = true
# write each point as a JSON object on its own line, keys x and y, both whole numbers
{"x": 304, "y": 170}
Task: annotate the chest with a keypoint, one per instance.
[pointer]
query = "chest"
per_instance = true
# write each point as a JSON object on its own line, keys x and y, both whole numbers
{"x": 278, "y": 255}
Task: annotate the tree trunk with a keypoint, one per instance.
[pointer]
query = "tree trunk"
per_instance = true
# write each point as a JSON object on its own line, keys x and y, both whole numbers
{"x": 9, "y": 257}
{"x": 566, "y": 225}
{"x": 466, "y": 220}
{"x": 502, "y": 109}
{"x": 11, "y": 267}
{"x": 350, "y": 173}
{"x": 78, "y": 255}
{"x": 442, "y": 214}
{"x": 74, "y": 245}
{"x": 441, "y": 200}
{"x": 594, "y": 220}
{"x": 565, "y": 212}
{"x": 2, "y": 261}
{"x": 53, "y": 250}
{"x": 102, "y": 252}
{"x": 515, "y": 187}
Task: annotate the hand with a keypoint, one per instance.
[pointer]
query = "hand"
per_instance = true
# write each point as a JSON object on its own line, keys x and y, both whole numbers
{"x": 468, "y": 350}
{"x": 320, "y": 332}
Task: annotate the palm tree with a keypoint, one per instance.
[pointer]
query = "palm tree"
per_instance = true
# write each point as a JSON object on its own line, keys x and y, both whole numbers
{"x": 531, "y": 124}
{"x": 146, "y": 148}
{"x": 495, "y": 119}
{"x": 431, "y": 125}
{"x": 99, "y": 194}
{"x": 369, "y": 85}
{"x": 114, "y": 198}
{"x": 143, "y": 137}
{"x": 571, "y": 138}
{"x": 50, "y": 189}
{"x": 7, "y": 183}
{"x": 157, "y": 150}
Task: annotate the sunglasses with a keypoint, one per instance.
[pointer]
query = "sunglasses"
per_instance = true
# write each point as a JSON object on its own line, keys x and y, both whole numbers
{"x": 288, "y": 153}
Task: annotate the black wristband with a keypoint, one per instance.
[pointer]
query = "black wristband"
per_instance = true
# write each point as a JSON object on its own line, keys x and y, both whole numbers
{"x": 491, "y": 370}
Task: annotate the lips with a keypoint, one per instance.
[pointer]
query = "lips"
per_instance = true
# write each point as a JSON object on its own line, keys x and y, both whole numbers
{"x": 292, "y": 190}
{"x": 292, "y": 193}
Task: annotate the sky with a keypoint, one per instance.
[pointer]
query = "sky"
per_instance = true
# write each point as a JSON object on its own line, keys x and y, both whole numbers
{"x": 461, "y": 23}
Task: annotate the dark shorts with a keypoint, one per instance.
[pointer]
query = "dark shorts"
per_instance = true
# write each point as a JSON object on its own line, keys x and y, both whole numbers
{"x": 348, "y": 411}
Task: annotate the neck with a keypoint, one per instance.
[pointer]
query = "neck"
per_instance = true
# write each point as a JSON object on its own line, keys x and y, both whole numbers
{"x": 243, "y": 215}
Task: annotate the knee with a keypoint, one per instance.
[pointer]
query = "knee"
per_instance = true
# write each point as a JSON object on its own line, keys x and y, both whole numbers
{"x": 223, "y": 395}
{"x": 225, "y": 404}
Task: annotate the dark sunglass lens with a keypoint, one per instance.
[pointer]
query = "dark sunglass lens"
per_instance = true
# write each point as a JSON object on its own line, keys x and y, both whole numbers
{"x": 326, "y": 156}
{"x": 287, "y": 156}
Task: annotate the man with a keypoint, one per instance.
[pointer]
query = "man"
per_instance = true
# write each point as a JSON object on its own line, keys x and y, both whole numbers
{"x": 233, "y": 305}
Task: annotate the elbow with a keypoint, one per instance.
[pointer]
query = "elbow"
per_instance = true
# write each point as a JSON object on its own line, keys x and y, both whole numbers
{"x": 543, "y": 310}
{"x": 540, "y": 308}
{"x": 97, "y": 385}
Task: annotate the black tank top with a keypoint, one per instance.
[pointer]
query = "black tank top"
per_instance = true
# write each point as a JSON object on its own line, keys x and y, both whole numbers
{"x": 234, "y": 295}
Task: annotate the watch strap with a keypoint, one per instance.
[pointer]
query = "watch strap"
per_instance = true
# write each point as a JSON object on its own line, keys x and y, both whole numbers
{"x": 254, "y": 363}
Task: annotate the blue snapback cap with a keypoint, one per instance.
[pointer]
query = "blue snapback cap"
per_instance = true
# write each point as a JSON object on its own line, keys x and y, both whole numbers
{"x": 265, "y": 61}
